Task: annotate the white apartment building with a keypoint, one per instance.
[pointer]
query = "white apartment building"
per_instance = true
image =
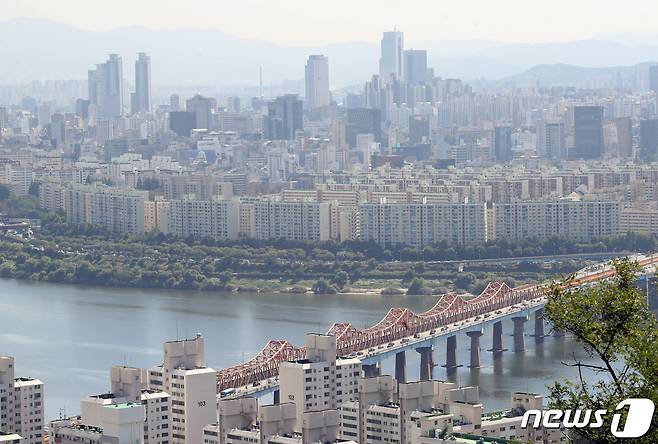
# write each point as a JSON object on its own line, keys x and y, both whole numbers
{"x": 127, "y": 386}
{"x": 311, "y": 383}
{"x": 116, "y": 209}
{"x": 21, "y": 404}
{"x": 423, "y": 224}
{"x": 303, "y": 220}
{"x": 321, "y": 381}
{"x": 219, "y": 219}
{"x": 117, "y": 423}
{"x": 192, "y": 387}
{"x": 573, "y": 219}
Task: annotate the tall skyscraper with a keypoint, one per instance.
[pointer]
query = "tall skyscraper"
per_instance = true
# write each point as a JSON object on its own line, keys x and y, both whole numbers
{"x": 106, "y": 87}
{"x": 317, "y": 82}
{"x": 551, "y": 140}
{"x": 390, "y": 62}
{"x": 624, "y": 126}
{"x": 653, "y": 84}
{"x": 202, "y": 107}
{"x": 653, "y": 78}
{"x": 649, "y": 138}
{"x": 141, "y": 98}
{"x": 284, "y": 117}
{"x": 588, "y": 132}
{"x": 415, "y": 66}
{"x": 502, "y": 143}
{"x": 174, "y": 102}
{"x": 363, "y": 121}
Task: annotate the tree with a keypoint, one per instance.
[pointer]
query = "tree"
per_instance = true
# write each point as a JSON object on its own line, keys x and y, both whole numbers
{"x": 416, "y": 287}
{"x": 341, "y": 278}
{"x": 613, "y": 323}
{"x": 322, "y": 286}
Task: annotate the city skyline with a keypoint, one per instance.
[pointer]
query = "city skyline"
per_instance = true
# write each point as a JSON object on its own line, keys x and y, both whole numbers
{"x": 376, "y": 242}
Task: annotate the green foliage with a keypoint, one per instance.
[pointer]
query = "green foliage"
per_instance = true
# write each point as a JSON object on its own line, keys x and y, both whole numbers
{"x": 322, "y": 286}
{"x": 341, "y": 279}
{"x": 416, "y": 287}
{"x": 612, "y": 321}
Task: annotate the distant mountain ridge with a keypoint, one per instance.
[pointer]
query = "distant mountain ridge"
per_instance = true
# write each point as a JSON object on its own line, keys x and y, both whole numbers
{"x": 562, "y": 74}
{"x": 38, "y": 49}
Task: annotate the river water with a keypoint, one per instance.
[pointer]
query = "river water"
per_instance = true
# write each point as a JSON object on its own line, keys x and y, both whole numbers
{"x": 69, "y": 336}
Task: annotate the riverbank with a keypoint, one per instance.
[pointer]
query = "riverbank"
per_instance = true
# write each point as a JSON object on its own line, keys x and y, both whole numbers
{"x": 177, "y": 265}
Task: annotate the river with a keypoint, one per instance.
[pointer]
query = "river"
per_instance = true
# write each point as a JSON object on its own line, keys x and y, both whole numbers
{"x": 69, "y": 336}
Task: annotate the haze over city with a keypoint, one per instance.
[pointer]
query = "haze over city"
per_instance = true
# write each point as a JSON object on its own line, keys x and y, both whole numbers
{"x": 303, "y": 222}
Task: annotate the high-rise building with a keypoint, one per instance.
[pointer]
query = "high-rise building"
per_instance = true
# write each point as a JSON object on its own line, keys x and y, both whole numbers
{"x": 502, "y": 143}
{"x": 649, "y": 137}
{"x": 105, "y": 85}
{"x": 115, "y": 209}
{"x": 202, "y": 108}
{"x": 141, "y": 98}
{"x": 588, "y": 132}
{"x": 624, "y": 126}
{"x": 320, "y": 381}
{"x": 390, "y": 62}
{"x": 421, "y": 224}
{"x": 415, "y": 66}
{"x": 192, "y": 386}
{"x": 21, "y": 404}
{"x": 653, "y": 78}
{"x": 284, "y": 118}
{"x": 317, "y": 82}
{"x": 572, "y": 219}
{"x": 419, "y": 129}
{"x": 363, "y": 121}
{"x": 174, "y": 102}
{"x": 551, "y": 140}
{"x": 182, "y": 122}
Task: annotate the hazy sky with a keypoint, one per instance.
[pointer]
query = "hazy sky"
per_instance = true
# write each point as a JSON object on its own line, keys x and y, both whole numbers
{"x": 303, "y": 22}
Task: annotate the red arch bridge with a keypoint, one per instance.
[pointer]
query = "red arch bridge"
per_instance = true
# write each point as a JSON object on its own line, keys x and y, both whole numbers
{"x": 401, "y": 323}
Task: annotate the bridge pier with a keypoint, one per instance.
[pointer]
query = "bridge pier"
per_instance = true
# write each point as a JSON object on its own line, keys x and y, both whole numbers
{"x": 426, "y": 363}
{"x": 277, "y": 396}
{"x": 497, "y": 342}
{"x": 475, "y": 347}
{"x": 539, "y": 326}
{"x": 370, "y": 370}
{"x": 451, "y": 353}
{"x": 401, "y": 367}
{"x": 519, "y": 332}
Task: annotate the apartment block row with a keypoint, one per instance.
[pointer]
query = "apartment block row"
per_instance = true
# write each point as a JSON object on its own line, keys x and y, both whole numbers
{"x": 386, "y": 223}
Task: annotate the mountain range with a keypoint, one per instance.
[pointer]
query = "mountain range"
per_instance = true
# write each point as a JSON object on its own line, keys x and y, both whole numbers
{"x": 32, "y": 49}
